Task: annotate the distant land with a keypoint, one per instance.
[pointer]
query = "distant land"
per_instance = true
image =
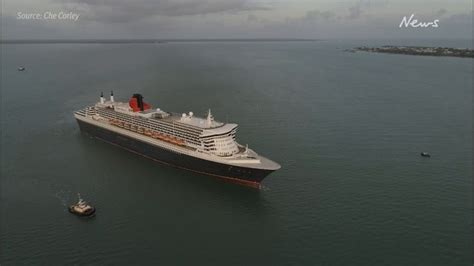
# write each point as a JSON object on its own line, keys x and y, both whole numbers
{"x": 417, "y": 50}
{"x": 47, "y": 41}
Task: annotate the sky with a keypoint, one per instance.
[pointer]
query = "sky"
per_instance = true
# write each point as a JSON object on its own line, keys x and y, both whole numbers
{"x": 191, "y": 19}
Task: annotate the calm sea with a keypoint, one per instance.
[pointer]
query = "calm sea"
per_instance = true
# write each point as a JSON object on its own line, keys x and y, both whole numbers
{"x": 347, "y": 129}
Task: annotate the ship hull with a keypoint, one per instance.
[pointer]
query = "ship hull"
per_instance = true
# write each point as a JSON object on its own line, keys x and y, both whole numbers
{"x": 236, "y": 174}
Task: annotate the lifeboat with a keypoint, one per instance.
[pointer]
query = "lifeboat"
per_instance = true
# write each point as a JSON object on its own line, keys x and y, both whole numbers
{"x": 148, "y": 132}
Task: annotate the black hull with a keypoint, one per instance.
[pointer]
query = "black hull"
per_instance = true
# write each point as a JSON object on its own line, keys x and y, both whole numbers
{"x": 245, "y": 176}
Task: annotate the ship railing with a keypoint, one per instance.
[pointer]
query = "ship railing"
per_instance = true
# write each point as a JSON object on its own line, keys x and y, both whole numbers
{"x": 148, "y": 132}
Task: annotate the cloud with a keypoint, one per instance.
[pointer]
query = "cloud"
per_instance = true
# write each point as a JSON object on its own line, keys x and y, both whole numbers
{"x": 461, "y": 18}
{"x": 309, "y": 22}
{"x": 129, "y": 11}
{"x": 319, "y": 15}
{"x": 354, "y": 11}
{"x": 441, "y": 12}
{"x": 359, "y": 8}
{"x": 232, "y": 19}
{"x": 252, "y": 18}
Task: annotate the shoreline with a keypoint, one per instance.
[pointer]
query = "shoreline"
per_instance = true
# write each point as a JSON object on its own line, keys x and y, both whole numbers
{"x": 417, "y": 50}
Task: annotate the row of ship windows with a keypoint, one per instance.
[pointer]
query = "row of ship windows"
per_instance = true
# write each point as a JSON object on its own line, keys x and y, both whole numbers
{"x": 178, "y": 131}
{"x": 211, "y": 142}
{"x": 218, "y": 141}
{"x": 211, "y": 138}
{"x": 90, "y": 111}
{"x": 124, "y": 118}
{"x": 170, "y": 124}
{"x": 225, "y": 144}
{"x": 164, "y": 127}
{"x": 155, "y": 125}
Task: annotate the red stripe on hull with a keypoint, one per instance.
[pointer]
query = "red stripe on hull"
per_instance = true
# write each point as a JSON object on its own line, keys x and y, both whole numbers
{"x": 226, "y": 178}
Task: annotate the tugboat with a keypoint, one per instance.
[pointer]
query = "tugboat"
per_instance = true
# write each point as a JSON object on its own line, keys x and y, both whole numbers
{"x": 81, "y": 208}
{"x": 21, "y": 68}
{"x": 425, "y": 154}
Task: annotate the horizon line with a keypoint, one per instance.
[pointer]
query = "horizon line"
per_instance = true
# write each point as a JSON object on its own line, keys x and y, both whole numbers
{"x": 128, "y": 40}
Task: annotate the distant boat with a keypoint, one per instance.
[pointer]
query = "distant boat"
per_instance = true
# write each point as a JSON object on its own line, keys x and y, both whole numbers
{"x": 82, "y": 208}
{"x": 425, "y": 154}
{"x": 20, "y": 68}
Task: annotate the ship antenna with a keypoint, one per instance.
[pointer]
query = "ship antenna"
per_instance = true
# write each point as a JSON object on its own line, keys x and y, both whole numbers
{"x": 209, "y": 118}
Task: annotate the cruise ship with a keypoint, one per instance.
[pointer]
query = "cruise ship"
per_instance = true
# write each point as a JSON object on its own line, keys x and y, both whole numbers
{"x": 198, "y": 144}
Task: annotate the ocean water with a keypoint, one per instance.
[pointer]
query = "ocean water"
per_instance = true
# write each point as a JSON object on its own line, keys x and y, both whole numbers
{"x": 347, "y": 129}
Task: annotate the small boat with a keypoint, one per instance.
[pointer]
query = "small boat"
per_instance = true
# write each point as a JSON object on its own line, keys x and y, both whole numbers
{"x": 82, "y": 208}
{"x": 20, "y": 68}
{"x": 425, "y": 154}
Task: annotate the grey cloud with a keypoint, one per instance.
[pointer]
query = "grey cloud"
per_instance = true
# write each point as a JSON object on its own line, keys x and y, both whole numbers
{"x": 311, "y": 19}
{"x": 359, "y": 8}
{"x": 354, "y": 12}
{"x": 461, "y": 18}
{"x": 441, "y": 12}
{"x": 168, "y": 19}
{"x": 252, "y": 18}
{"x": 127, "y": 11}
{"x": 316, "y": 15}
{"x": 456, "y": 26}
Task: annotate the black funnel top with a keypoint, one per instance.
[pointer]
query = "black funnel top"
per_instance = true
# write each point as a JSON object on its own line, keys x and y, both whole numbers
{"x": 139, "y": 98}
